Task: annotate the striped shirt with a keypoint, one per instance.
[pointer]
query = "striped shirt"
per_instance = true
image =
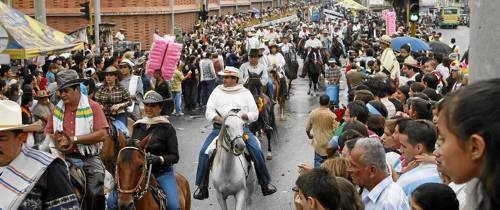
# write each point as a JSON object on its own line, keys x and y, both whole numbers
{"x": 424, "y": 173}
{"x": 387, "y": 195}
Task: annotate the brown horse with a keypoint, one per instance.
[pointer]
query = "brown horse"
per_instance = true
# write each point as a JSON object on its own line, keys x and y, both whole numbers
{"x": 141, "y": 190}
{"x": 280, "y": 91}
{"x": 113, "y": 141}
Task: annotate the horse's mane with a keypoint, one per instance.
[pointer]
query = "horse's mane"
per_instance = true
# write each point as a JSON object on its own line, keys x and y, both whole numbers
{"x": 127, "y": 154}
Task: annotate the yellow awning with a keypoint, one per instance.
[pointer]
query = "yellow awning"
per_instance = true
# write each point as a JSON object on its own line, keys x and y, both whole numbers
{"x": 351, "y": 4}
{"x": 29, "y": 38}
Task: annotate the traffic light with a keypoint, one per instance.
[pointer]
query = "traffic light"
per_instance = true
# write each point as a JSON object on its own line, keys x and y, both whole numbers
{"x": 85, "y": 10}
{"x": 414, "y": 11}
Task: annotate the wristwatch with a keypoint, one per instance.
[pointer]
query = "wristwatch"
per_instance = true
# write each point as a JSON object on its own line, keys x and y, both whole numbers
{"x": 75, "y": 139}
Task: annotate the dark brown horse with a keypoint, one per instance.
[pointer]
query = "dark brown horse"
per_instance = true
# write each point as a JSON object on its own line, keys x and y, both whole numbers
{"x": 137, "y": 187}
{"x": 266, "y": 121}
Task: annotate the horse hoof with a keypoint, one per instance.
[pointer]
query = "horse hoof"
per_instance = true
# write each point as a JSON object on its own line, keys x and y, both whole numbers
{"x": 269, "y": 156}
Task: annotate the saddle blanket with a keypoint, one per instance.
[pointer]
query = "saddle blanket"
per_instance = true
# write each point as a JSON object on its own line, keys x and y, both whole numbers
{"x": 213, "y": 145}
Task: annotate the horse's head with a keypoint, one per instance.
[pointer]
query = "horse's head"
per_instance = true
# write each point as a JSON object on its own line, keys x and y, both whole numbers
{"x": 233, "y": 133}
{"x": 132, "y": 173}
{"x": 253, "y": 84}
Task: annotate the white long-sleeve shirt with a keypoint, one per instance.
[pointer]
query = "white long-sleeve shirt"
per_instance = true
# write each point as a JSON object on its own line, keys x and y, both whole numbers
{"x": 277, "y": 59}
{"x": 224, "y": 99}
{"x": 247, "y": 67}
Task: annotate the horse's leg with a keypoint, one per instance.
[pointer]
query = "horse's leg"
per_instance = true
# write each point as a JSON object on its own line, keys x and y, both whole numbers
{"x": 240, "y": 199}
{"x": 269, "y": 155}
{"x": 222, "y": 201}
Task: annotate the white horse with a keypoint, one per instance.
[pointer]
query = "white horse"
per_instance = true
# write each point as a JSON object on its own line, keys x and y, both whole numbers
{"x": 231, "y": 174}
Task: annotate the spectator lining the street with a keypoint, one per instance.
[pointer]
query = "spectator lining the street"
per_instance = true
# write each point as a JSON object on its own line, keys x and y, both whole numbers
{"x": 431, "y": 196}
{"x": 311, "y": 197}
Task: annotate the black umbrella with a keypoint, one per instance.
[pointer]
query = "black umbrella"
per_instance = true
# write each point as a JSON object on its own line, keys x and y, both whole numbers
{"x": 440, "y": 47}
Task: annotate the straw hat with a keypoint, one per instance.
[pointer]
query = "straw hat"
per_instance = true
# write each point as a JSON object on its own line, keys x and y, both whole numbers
{"x": 114, "y": 71}
{"x": 14, "y": 120}
{"x": 230, "y": 71}
{"x": 385, "y": 39}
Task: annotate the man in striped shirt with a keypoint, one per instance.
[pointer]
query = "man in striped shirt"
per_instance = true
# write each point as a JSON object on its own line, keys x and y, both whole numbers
{"x": 420, "y": 142}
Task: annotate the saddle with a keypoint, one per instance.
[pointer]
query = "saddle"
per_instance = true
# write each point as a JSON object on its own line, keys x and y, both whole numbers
{"x": 160, "y": 196}
{"x": 77, "y": 178}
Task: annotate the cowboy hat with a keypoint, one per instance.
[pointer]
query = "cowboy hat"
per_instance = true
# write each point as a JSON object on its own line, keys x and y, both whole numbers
{"x": 254, "y": 52}
{"x": 14, "y": 120}
{"x": 385, "y": 39}
{"x": 68, "y": 78}
{"x": 113, "y": 70}
{"x": 412, "y": 63}
{"x": 230, "y": 71}
{"x": 127, "y": 62}
{"x": 140, "y": 61}
{"x": 272, "y": 43}
{"x": 152, "y": 97}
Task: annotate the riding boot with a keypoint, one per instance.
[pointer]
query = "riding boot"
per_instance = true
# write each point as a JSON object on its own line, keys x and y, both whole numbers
{"x": 202, "y": 192}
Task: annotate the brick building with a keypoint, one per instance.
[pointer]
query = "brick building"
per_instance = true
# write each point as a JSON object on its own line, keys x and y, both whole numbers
{"x": 138, "y": 17}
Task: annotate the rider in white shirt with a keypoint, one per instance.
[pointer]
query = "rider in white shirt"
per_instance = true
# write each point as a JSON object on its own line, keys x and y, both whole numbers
{"x": 231, "y": 95}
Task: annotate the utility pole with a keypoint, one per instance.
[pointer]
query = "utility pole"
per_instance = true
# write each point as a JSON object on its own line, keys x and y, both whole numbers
{"x": 172, "y": 17}
{"x": 220, "y": 9}
{"x": 40, "y": 11}
{"x": 97, "y": 22}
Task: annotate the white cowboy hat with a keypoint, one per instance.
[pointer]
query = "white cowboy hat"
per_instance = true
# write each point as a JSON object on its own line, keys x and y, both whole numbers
{"x": 128, "y": 62}
{"x": 230, "y": 71}
{"x": 14, "y": 121}
{"x": 385, "y": 39}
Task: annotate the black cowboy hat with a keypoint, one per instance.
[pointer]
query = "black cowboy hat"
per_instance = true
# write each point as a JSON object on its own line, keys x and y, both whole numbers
{"x": 68, "y": 78}
{"x": 254, "y": 52}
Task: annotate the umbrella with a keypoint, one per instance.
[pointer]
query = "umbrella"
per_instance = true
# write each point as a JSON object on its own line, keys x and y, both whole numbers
{"x": 440, "y": 47}
{"x": 416, "y": 44}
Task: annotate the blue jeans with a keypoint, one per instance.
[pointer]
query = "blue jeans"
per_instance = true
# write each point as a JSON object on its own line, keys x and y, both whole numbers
{"x": 167, "y": 183}
{"x": 318, "y": 159}
{"x": 206, "y": 89}
{"x": 252, "y": 147}
{"x": 177, "y": 101}
{"x": 270, "y": 88}
{"x": 333, "y": 93}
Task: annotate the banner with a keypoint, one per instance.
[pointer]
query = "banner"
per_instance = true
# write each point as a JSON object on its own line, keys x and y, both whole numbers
{"x": 29, "y": 38}
{"x": 277, "y": 21}
{"x": 333, "y": 13}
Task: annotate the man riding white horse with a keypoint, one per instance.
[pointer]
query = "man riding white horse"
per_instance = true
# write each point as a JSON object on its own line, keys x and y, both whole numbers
{"x": 225, "y": 97}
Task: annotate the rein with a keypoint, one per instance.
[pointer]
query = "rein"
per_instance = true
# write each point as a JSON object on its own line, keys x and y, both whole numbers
{"x": 227, "y": 139}
{"x": 231, "y": 143}
{"x": 138, "y": 190}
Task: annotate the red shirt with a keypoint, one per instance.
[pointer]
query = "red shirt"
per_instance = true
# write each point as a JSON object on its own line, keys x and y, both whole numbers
{"x": 100, "y": 121}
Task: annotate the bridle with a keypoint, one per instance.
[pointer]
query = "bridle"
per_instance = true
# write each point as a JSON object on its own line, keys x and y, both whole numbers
{"x": 227, "y": 139}
{"x": 138, "y": 191}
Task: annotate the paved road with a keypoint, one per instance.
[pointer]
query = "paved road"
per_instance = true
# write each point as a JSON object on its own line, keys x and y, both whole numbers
{"x": 290, "y": 149}
{"x": 461, "y": 34}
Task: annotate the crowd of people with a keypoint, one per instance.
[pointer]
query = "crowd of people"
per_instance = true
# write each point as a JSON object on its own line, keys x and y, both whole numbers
{"x": 411, "y": 132}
